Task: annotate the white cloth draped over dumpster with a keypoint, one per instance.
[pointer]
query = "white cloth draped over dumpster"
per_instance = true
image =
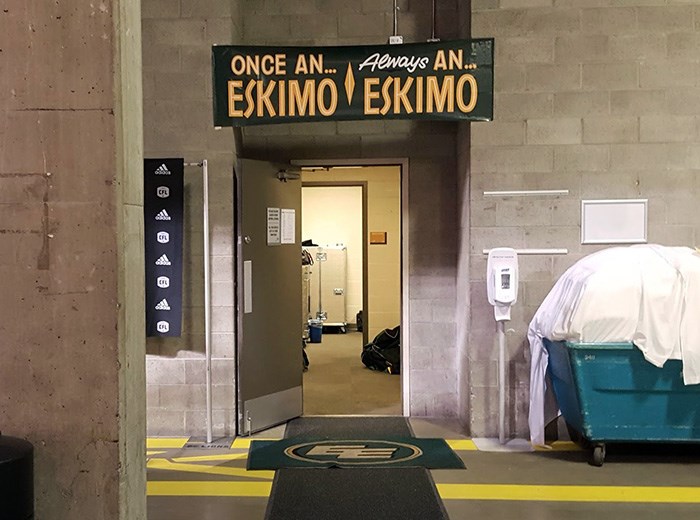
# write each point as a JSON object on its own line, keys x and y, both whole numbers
{"x": 646, "y": 294}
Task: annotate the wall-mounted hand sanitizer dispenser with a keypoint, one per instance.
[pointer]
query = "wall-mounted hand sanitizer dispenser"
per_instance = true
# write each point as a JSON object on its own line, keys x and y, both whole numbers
{"x": 502, "y": 281}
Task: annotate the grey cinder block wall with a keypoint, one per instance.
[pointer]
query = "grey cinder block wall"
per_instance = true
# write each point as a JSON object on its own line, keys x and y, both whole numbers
{"x": 177, "y": 40}
{"x": 598, "y": 97}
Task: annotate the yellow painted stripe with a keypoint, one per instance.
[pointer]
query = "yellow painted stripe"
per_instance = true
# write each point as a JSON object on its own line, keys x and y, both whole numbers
{"x": 212, "y": 458}
{"x": 208, "y": 489}
{"x": 641, "y": 494}
{"x": 166, "y": 442}
{"x": 206, "y": 469}
{"x": 244, "y": 442}
{"x": 461, "y": 444}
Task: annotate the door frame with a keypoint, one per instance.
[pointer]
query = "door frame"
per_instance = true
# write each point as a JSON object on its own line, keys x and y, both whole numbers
{"x": 402, "y": 163}
{"x": 365, "y": 247}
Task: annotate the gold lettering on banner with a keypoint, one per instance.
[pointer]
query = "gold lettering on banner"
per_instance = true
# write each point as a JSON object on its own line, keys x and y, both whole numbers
{"x": 473, "y": 93}
{"x": 302, "y": 102}
{"x": 440, "y": 61}
{"x": 249, "y": 99}
{"x": 301, "y": 66}
{"x": 233, "y": 97}
{"x": 262, "y": 92}
{"x": 263, "y": 100}
{"x": 282, "y": 99}
{"x": 386, "y": 96}
{"x": 268, "y": 64}
{"x": 419, "y": 95}
{"x": 316, "y": 64}
{"x": 401, "y": 95}
{"x": 437, "y": 97}
{"x": 327, "y": 110}
{"x": 371, "y": 95}
{"x": 456, "y": 59}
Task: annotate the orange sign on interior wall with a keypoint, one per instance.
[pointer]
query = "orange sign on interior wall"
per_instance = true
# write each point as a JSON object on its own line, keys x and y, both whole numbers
{"x": 377, "y": 237}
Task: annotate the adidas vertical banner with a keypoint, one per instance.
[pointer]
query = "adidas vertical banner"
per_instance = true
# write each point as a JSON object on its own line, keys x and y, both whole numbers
{"x": 163, "y": 227}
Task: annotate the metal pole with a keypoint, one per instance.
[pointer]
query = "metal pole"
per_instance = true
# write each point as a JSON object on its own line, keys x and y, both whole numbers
{"x": 501, "y": 382}
{"x": 207, "y": 298}
{"x": 432, "y": 38}
{"x": 396, "y": 17}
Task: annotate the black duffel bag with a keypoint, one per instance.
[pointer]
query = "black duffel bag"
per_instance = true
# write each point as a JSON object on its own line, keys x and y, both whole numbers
{"x": 383, "y": 353}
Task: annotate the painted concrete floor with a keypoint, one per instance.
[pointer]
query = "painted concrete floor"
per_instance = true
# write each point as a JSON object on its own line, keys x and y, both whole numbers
{"x": 337, "y": 383}
{"x": 636, "y": 483}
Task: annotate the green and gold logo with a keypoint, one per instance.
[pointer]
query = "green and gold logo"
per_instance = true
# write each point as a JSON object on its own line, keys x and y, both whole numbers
{"x": 353, "y": 452}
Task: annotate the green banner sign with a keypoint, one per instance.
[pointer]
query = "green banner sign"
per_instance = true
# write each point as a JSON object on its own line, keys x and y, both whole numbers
{"x": 438, "y": 81}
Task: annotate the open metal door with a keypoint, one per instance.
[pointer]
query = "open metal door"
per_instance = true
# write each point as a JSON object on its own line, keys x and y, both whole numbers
{"x": 269, "y": 295}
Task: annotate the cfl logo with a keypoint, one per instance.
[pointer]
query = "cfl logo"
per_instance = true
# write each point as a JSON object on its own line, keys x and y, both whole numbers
{"x": 163, "y": 282}
{"x": 163, "y": 327}
{"x": 163, "y": 192}
{"x": 163, "y": 237}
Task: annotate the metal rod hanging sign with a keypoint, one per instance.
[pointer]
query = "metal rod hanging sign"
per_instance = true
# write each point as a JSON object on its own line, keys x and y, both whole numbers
{"x": 431, "y": 81}
{"x": 207, "y": 295}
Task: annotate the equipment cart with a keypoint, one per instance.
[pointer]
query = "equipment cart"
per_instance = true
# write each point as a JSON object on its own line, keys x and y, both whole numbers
{"x": 608, "y": 392}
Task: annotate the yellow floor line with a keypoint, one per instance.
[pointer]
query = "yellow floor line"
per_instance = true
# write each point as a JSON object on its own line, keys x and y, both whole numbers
{"x": 150, "y": 453}
{"x": 208, "y": 489}
{"x": 531, "y": 493}
{"x": 167, "y": 465}
{"x": 244, "y": 442}
{"x": 166, "y": 442}
{"x": 610, "y": 494}
{"x": 461, "y": 444}
{"x": 212, "y": 458}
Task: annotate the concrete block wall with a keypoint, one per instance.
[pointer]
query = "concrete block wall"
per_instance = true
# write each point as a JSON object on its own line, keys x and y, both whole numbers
{"x": 430, "y": 148}
{"x": 598, "y": 97}
{"x": 177, "y": 39}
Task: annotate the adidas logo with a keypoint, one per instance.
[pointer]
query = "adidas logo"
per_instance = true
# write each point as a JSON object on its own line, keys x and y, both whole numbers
{"x": 163, "y": 305}
{"x": 162, "y": 170}
{"x": 163, "y": 215}
{"x": 163, "y": 260}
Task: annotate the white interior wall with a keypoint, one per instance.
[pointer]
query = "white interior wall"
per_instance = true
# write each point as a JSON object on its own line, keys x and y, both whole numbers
{"x": 332, "y": 215}
{"x": 383, "y": 261}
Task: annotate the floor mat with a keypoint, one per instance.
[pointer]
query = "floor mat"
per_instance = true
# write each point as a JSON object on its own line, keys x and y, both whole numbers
{"x": 349, "y": 494}
{"x": 373, "y": 451}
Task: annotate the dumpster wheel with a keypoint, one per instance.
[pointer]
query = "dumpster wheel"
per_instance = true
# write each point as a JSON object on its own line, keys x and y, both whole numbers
{"x": 598, "y": 454}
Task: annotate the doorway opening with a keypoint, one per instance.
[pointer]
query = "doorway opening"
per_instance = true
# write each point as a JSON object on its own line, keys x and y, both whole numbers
{"x": 351, "y": 230}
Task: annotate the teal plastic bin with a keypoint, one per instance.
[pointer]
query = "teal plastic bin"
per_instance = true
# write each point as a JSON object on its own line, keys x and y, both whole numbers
{"x": 608, "y": 392}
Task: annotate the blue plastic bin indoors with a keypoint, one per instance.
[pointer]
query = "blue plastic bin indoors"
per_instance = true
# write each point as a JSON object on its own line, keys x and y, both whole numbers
{"x": 608, "y": 392}
{"x": 315, "y": 331}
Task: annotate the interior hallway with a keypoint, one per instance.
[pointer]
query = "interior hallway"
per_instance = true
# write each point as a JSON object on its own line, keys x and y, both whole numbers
{"x": 337, "y": 383}
{"x": 636, "y": 483}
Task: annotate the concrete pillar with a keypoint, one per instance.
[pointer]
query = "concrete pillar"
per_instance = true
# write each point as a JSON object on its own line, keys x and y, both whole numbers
{"x": 71, "y": 260}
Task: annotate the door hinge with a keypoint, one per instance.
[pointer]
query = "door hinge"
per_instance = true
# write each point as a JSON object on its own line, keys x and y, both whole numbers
{"x": 289, "y": 175}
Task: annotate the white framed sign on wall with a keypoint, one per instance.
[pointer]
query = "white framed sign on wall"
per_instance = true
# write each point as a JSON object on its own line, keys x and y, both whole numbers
{"x": 622, "y": 221}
